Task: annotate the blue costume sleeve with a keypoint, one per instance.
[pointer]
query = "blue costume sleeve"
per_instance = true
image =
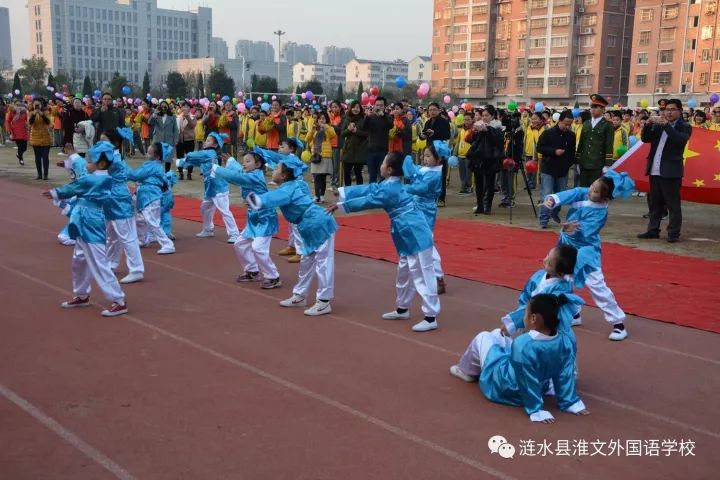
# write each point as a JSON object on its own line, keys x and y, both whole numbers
{"x": 564, "y": 384}
{"x": 517, "y": 316}
{"x": 236, "y": 177}
{"x": 418, "y": 186}
{"x": 275, "y": 199}
{"x": 524, "y": 364}
{"x": 571, "y": 196}
{"x": 77, "y": 188}
{"x": 271, "y": 157}
{"x": 141, "y": 173}
{"x": 410, "y": 170}
{"x": 361, "y": 197}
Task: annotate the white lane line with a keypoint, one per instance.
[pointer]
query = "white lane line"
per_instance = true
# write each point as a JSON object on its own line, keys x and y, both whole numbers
{"x": 91, "y": 452}
{"x": 290, "y": 386}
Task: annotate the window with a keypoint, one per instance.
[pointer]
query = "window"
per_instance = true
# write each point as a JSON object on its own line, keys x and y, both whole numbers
{"x": 587, "y": 41}
{"x": 710, "y": 8}
{"x": 558, "y": 62}
{"x": 557, "y": 81}
{"x": 589, "y": 20}
{"x": 477, "y": 83}
{"x": 538, "y": 23}
{"x": 560, "y": 21}
{"x": 535, "y": 82}
{"x": 536, "y": 63}
{"x": 690, "y": 44}
{"x": 666, "y": 56}
{"x": 480, "y": 10}
{"x": 703, "y": 79}
{"x": 706, "y": 32}
{"x": 693, "y": 22}
{"x": 502, "y": 46}
{"x": 642, "y": 58}
{"x": 559, "y": 41}
{"x": 458, "y": 83}
{"x": 669, "y": 12}
{"x": 640, "y": 80}
{"x": 705, "y": 55}
{"x": 717, "y": 54}
{"x": 504, "y": 9}
{"x": 715, "y": 78}
{"x": 538, "y": 4}
{"x": 586, "y": 60}
{"x": 646, "y": 14}
{"x": 537, "y": 42}
{"x": 608, "y": 81}
{"x": 478, "y": 47}
{"x": 479, "y": 28}
{"x": 520, "y": 82}
{"x": 644, "y": 37}
{"x": 664, "y": 79}
{"x": 477, "y": 66}
{"x": 668, "y": 34}
{"x": 610, "y": 61}
{"x": 688, "y": 67}
{"x": 561, "y": 3}
{"x": 612, "y": 40}
{"x": 500, "y": 82}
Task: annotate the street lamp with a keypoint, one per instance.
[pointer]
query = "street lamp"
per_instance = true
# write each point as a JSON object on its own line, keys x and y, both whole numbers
{"x": 279, "y": 34}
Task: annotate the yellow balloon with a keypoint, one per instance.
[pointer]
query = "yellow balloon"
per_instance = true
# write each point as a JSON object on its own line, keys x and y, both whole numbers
{"x": 305, "y": 156}
{"x": 644, "y": 103}
{"x": 250, "y": 143}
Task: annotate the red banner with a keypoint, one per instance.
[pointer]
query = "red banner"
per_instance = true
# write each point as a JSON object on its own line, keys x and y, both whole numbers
{"x": 701, "y": 182}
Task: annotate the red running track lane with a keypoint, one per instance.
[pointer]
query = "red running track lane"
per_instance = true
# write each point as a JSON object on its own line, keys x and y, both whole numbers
{"x": 210, "y": 379}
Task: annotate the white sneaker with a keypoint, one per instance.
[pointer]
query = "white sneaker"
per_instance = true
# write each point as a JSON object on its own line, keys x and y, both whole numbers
{"x": 425, "y": 326}
{"x": 394, "y": 315}
{"x": 320, "y": 308}
{"x": 294, "y": 301}
{"x": 166, "y": 251}
{"x": 132, "y": 278}
{"x": 61, "y": 154}
{"x": 322, "y": 198}
{"x": 618, "y": 335}
{"x": 232, "y": 239}
{"x": 456, "y": 372}
{"x": 205, "y": 234}
{"x": 576, "y": 321}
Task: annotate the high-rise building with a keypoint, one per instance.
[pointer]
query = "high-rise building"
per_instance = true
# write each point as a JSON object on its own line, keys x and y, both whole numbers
{"x": 330, "y": 76}
{"x": 100, "y": 37}
{"x": 373, "y": 73}
{"x": 255, "y": 51}
{"x": 293, "y": 53}
{"x": 559, "y": 51}
{"x": 676, "y": 51}
{"x": 218, "y": 49}
{"x": 333, "y": 55}
{"x": 5, "y": 49}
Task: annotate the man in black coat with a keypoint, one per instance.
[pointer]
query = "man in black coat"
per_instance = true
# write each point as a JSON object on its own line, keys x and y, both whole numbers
{"x": 437, "y": 127}
{"x": 668, "y": 135}
{"x": 107, "y": 118}
{"x": 377, "y": 125}
{"x": 557, "y": 146}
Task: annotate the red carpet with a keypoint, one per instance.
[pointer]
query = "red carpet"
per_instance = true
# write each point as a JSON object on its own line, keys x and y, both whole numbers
{"x": 660, "y": 286}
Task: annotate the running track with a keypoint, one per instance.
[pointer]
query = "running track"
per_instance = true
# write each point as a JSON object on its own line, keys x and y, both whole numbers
{"x": 208, "y": 379}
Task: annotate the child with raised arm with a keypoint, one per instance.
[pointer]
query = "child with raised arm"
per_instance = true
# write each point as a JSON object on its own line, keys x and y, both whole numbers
{"x": 315, "y": 229}
{"x": 253, "y": 245}
{"x": 517, "y": 372}
{"x": 216, "y": 190}
{"x": 587, "y": 216}
{"x": 77, "y": 166}
{"x": 411, "y": 235}
{"x": 87, "y": 228}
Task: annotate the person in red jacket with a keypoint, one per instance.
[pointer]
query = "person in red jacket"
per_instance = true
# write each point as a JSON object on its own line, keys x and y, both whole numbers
{"x": 18, "y": 128}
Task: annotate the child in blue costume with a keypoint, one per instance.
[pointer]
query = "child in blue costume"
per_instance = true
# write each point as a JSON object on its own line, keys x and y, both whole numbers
{"x": 517, "y": 372}
{"x": 288, "y": 146}
{"x": 87, "y": 228}
{"x": 167, "y": 202}
{"x": 120, "y": 214}
{"x": 410, "y": 233}
{"x": 586, "y": 217}
{"x": 426, "y": 185}
{"x": 253, "y": 246}
{"x": 217, "y": 194}
{"x": 77, "y": 168}
{"x": 151, "y": 179}
{"x": 315, "y": 227}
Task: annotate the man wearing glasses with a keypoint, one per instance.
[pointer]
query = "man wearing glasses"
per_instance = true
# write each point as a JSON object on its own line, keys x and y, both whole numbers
{"x": 595, "y": 149}
{"x": 714, "y": 123}
{"x": 668, "y": 135}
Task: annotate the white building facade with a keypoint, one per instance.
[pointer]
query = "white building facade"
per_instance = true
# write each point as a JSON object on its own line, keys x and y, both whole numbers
{"x": 330, "y": 76}
{"x": 373, "y": 72}
{"x": 419, "y": 70}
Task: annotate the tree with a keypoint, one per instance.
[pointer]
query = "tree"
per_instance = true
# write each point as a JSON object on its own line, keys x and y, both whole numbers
{"x": 176, "y": 85}
{"x": 17, "y": 86}
{"x": 33, "y": 74}
{"x": 220, "y": 83}
{"x": 51, "y": 81}
{"x": 64, "y": 78}
{"x": 297, "y": 89}
{"x": 340, "y": 95}
{"x": 200, "y": 85}
{"x": 263, "y": 84}
{"x": 360, "y": 91}
{"x": 87, "y": 86}
{"x": 314, "y": 86}
{"x": 117, "y": 82}
{"x": 146, "y": 84}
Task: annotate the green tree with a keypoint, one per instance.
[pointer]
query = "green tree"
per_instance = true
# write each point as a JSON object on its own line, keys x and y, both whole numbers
{"x": 51, "y": 81}
{"x": 33, "y": 74}
{"x": 263, "y": 84}
{"x": 17, "y": 86}
{"x": 146, "y": 84}
{"x": 340, "y": 95}
{"x": 314, "y": 86}
{"x": 87, "y": 86}
{"x": 63, "y": 78}
{"x": 117, "y": 82}
{"x": 297, "y": 89}
{"x": 360, "y": 90}
{"x": 200, "y": 85}
{"x": 176, "y": 85}
{"x": 220, "y": 83}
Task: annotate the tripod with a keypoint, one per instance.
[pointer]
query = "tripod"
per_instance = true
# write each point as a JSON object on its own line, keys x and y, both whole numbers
{"x": 511, "y": 179}
{"x": 521, "y": 169}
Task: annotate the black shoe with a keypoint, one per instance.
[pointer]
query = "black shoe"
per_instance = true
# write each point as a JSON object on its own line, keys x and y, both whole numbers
{"x": 38, "y": 177}
{"x": 189, "y": 176}
{"x": 45, "y": 177}
{"x": 182, "y": 176}
{"x": 647, "y": 215}
{"x": 648, "y": 235}
{"x": 20, "y": 160}
{"x": 673, "y": 239}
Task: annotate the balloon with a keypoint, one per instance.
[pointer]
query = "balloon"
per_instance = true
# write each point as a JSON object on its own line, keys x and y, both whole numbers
{"x": 468, "y": 107}
{"x": 556, "y": 117}
{"x": 425, "y": 87}
{"x": 364, "y": 95}
{"x": 266, "y": 97}
{"x": 644, "y": 102}
{"x": 633, "y": 140}
{"x": 374, "y": 91}
{"x": 714, "y": 98}
{"x": 241, "y": 107}
{"x": 451, "y": 115}
{"x": 97, "y": 93}
{"x": 250, "y": 143}
{"x": 219, "y": 103}
{"x": 692, "y": 103}
{"x": 400, "y": 82}
{"x": 154, "y": 101}
{"x": 508, "y": 164}
{"x": 455, "y": 108}
{"x": 539, "y": 107}
{"x": 259, "y": 99}
{"x": 305, "y": 156}
{"x": 512, "y": 106}
{"x": 453, "y": 161}
{"x": 141, "y": 108}
{"x": 225, "y": 98}
{"x": 576, "y": 112}
{"x": 531, "y": 166}
{"x": 621, "y": 150}
{"x": 365, "y": 100}
{"x": 240, "y": 93}
{"x": 274, "y": 97}
{"x": 309, "y": 95}
{"x": 17, "y": 92}
{"x": 302, "y": 95}
{"x": 461, "y": 118}
{"x": 248, "y": 103}
{"x": 126, "y": 90}
{"x": 59, "y": 95}
{"x": 265, "y": 107}
{"x": 447, "y": 99}
{"x": 372, "y": 99}
{"x": 421, "y": 93}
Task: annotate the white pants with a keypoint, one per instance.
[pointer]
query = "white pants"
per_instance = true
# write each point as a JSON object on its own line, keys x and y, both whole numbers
{"x": 437, "y": 266}
{"x": 321, "y": 263}
{"x": 473, "y": 359}
{"x": 221, "y": 202}
{"x": 122, "y": 236}
{"x": 148, "y": 225}
{"x": 603, "y": 298}
{"x": 90, "y": 262}
{"x": 65, "y": 239}
{"x": 294, "y": 239}
{"x": 254, "y": 255}
{"x": 416, "y": 273}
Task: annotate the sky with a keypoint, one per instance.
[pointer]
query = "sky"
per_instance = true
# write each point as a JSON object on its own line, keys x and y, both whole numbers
{"x": 375, "y": 29}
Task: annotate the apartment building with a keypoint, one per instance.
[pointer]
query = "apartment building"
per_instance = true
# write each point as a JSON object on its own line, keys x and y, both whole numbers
{"x": 293, "y": 53}
{"x": 330, "y": 76}
{"x": 419, "y": 70}
{"x": 253, "y": 51}
{"x": 676, "y": 51}
{"x": 558, "y": 51}
{"x": 373, "y": 72}
{"x": 333, "y": 55}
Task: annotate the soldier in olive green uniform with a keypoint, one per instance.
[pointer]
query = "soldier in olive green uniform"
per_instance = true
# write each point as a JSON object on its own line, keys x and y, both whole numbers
{"x": 595, "y": 149}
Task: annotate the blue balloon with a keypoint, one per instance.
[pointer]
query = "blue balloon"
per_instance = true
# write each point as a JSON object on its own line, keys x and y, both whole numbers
{"x": 539, "y": 107}
{"x": 265, "y": 107}
{"x": 453, "y": 161}
{"x": 126, "y": 90}
{"x": 225, "y": 98}
{"x": 692, "y": 103}
{"x": 576, "y": 112}
{"x": 633, "y": 140}
{"x": 400, "y": 82}
{"x": 97, "y": 93}
{"x": 248, "y": 103}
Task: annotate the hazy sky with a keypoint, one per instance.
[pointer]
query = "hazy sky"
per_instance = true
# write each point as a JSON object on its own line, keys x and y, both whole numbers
{"x": 376, "y": 29}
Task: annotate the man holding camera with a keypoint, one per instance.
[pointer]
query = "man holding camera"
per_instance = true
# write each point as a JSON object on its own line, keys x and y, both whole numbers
{"x": 437, "y": 128}
{"x": 378, "y": 126}
{"x": 107, "y": 118}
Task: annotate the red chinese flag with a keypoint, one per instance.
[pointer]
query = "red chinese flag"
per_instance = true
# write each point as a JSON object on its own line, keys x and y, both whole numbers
{"x": 701, "y": 182}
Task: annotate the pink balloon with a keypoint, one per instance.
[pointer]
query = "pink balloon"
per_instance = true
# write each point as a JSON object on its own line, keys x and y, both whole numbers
{"x": 141, "y": 108}
{"x": 274, "y": 97}
{"x": 260, "y": 99}
{"x": 447, "y": 99}
{"x": 302, "y": 95}
{"x": 455, "y": 108}
{"x": 219, "y": 103}
{"x": 451, "y": 115}
{"x": 241, "y": 107}
{"x": 364, "y": 95}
